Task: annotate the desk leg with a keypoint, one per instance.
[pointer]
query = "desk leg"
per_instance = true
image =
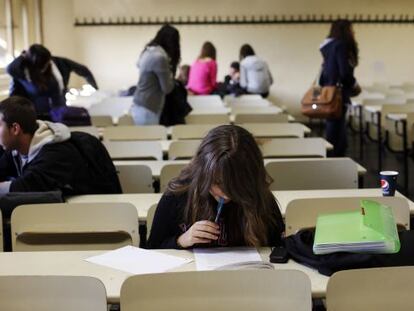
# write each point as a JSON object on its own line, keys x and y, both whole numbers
{"x": 361, "y": 133}
{"x": 379, "y": 132}
{"x": 405, "y": 149}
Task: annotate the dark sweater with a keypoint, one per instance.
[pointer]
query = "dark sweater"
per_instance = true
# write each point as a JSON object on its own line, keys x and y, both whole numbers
{"x": 169, "y": 224}
{"x": 337, "y": 68}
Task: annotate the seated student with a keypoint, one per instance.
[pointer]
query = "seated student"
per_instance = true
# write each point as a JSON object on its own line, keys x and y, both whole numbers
{"x": 43, "y": 78}
{"x": 44, "y": 156}
{"x": 255, "y": 76}
{"x": 203, "y": 72}
{"x": 228, "y": 165}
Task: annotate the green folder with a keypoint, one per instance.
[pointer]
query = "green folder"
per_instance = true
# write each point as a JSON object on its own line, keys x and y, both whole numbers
{"x": 372, "y": 229}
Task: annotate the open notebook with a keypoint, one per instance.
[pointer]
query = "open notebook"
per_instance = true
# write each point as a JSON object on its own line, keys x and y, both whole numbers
{"x": 371, "y": 229}
{"x": 229, "y": 259}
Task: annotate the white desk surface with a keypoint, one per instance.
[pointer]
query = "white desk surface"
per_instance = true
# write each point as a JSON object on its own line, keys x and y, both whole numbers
{"x": 143, "y": 201}
{"x": 156, "y": 166}
{"x": 72, "y": 263}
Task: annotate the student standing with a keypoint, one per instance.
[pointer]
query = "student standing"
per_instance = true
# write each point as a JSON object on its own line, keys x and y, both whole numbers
{"x": 228, "y": 165}
{"x": 340, "y": 57}
{"x": 43, "y": 78}
{"x": 203, "y": 72}
{"x": 157, "y": 66}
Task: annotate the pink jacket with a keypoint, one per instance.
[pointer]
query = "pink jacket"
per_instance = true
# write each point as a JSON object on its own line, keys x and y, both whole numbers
{"x": 202, "y": 78}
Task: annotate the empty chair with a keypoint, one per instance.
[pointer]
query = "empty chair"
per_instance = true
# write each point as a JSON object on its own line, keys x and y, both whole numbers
{"x": 74, "y": 226}
{"x": 205, "y": 101}
{"x": 241, "y": 118}
{"x": 92, "y": 130}
{"x": 229, "y": 99}
{"x": 150, "y": 218}
{"x": 379, "y": 289}
{"x": 51, "y": 293}
{"x": 293, "y": 147}
{"x": 135, "y": 178}
{"x": 275, "y": 130}
{"x": 218, "y": 290}
{"x": 113, "y": 106}
{"x": 302, "y": 213}
{"x": 214, "y": 118}
{"x": 169, "y": 172}
{"x": 134, "y": 150}
{"x": 301, "y": 174}
{"x": 191, "y": 131}
{"x": 133, "y": 132}
{"x": 126, "y": 119}
{"x": 102, "y": 121}
{"x": 183, "y": 149}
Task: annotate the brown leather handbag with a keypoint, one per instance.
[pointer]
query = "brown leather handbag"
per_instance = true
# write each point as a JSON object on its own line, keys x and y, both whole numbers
{"x": 322, "y": 102}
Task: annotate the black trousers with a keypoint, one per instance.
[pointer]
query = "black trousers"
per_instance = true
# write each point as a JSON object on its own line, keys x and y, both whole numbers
{"x": 336, "y": 135}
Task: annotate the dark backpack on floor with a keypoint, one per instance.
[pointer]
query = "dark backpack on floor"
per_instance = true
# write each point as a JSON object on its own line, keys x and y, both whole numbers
{"x": 103, "y": 178}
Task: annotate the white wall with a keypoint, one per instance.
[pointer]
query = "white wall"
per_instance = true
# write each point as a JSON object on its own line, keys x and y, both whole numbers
{"x": 291, "y": 50}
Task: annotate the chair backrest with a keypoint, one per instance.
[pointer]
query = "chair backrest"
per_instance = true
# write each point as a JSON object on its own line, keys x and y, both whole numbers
{"x": 113, "y": 106}
{"x": 379, "y": 289}
{"x": 302, "y": 213}
{"x": 205, "y": 101}
{"x": 293, "y": 147}
{"x": 218, "y": 290}
{"x": 102, "y": 121}
{"x": 135, "y": 178}
{"x": 51, "y": 293}
{"x": 275, "y": 130}
{"x": 306, "y": 174}
{"x": 134, "y": 150}
{"x": 150, "y": 218}
{"x": 183, "y": 149}
{"x": 126, "y": 119}
{"x": 169, "y": 172}
{"x": 241, "y": 118}
{"x": 92, "y": 130}
{"x": 213, "y": 118}
{"x": 230, "y": 98}
{"x": 191, "y": 131}
{"x": 389, "y": 108}
{"x": 133, "y": 132}
{"x": 74, "y": 226}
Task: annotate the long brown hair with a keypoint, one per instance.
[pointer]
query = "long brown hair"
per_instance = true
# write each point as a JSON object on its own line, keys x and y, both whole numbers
{"x": 341, "y": 29}
{"x": 208, "y": 50}
{"x": 230, "y": 158}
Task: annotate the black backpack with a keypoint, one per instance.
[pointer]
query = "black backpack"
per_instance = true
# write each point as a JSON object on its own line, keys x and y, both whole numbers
{"x": 103, "y": 178}
{"x": 176, "y": 106}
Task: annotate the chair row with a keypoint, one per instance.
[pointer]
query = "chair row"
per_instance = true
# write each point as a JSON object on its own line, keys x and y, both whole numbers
{"x": 103, "y": 226}
{"x": 287, "y": 174}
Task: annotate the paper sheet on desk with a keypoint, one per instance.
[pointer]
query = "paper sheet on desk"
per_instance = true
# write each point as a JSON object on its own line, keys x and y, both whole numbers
{"x": 138, "y": 261}
{"x": 213, "y": 258}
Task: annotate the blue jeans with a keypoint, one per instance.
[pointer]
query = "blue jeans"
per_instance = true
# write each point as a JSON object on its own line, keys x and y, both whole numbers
{"x": 144, "y": 116}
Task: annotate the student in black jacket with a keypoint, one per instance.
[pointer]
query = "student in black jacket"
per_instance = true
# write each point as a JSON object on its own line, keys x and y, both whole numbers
{"x": 340, "y": 57}
{"x": 43, "y": 156}
{"x": 43, "y": 78}
{"x": 227, "y": 165}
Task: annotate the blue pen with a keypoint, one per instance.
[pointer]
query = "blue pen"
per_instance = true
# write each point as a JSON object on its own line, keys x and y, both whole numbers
{"x": 219, "y": 209}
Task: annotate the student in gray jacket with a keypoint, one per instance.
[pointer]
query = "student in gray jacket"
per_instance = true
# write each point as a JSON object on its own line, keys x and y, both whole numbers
{"x": 255, "y": 76}
{"x": 157, "y": 65}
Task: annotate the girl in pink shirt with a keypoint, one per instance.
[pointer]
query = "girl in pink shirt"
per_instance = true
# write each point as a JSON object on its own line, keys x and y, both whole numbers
{"x": 203, "y": 72}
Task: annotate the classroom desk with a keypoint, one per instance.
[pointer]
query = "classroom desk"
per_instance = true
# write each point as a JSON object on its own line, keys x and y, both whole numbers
{"x": 156, "y": 166}
{"x": 72, "y": 263}
{"x": 143, "y": 201}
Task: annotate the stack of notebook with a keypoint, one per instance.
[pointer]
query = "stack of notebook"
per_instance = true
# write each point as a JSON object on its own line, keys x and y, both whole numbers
{"x": 371, "y": 229}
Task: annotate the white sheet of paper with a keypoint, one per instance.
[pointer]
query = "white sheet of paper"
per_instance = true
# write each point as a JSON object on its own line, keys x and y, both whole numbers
{"x": 138, "y": 261}
{"x": 213, "y": 258}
